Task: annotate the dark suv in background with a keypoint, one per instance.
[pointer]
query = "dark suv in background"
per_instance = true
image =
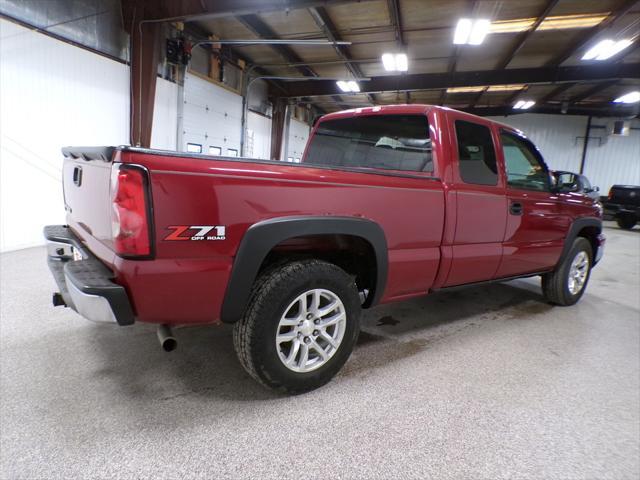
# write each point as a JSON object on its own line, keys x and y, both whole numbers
{"x": 623, "y": 205}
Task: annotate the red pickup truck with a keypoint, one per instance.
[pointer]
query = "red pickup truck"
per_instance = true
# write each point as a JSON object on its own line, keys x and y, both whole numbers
{"x": 388, "y": 203}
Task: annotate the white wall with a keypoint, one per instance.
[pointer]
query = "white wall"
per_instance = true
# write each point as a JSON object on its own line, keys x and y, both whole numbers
{"x": 298, "y": 136}
{"x": 556, "y": 136}
{"x": 616, "y": 160}
{"x": 258, "y": 136}
{"x": 52, "y": 94}
{"x": 165, "y": 116}
{"x": 560, "y": 138}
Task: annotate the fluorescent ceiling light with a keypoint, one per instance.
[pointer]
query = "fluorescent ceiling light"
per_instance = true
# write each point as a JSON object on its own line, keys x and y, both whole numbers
{"x": 402, "y": 63}
{"x": 506, "y": 88}
{"x": 463, "y": 30}
{"x": 559, "y": 22}
{"x": 631, "y": 97}
{"x": 471, "y": 32}
{"x": 465, "y": 89}
{"x": 479, "y": 31}
{"x": 524, "y": 104}
{"x": 348, "y": 85}
{"x": 395, "y": 62}
{"x": 606, "y": 49}
{"x": 342, "y": 85}
{"x": 492, "y": 88}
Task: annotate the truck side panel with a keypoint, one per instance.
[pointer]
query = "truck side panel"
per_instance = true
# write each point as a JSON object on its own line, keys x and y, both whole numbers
{"x": 191, "y": 275}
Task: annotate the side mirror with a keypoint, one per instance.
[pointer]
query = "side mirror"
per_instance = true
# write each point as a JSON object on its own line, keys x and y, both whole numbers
{"x": 596, "y": 189}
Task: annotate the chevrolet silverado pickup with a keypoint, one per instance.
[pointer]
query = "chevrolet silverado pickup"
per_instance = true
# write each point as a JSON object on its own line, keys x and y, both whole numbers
{"x": 388, "y": 203}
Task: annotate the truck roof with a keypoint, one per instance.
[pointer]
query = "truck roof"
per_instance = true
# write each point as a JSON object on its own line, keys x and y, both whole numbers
{"x": 407, "y": 109}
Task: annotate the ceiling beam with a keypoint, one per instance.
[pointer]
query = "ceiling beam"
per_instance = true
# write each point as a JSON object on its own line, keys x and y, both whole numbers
{"x": 259, "y": 28}
{"x": 563, "y": 87}
{"x": 524, "y": 36}
{"x": 601, "y": 110}
{"x": 199, "y": 10}
{"x": 395, "y": 18}
{"x": 432, "y": 81}
{"x": 324, "y": 23}
{"x": 590, "y": 34}
{"x": 591, "y": 91}
{"x": 262, "y": 30}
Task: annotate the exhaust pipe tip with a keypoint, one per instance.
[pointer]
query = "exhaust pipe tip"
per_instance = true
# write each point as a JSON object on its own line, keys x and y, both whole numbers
{"x": 167, "y": 341}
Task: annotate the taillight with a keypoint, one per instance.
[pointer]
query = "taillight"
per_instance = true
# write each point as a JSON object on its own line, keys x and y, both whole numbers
{"x": 610, "y": 193}
{"x": 129, "y": 211}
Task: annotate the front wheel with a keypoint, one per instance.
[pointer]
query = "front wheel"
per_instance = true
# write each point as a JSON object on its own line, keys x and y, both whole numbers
{"x": 626, "y": 222}
{"x": 566, "y": 285}
{"x": 300, "y": 326}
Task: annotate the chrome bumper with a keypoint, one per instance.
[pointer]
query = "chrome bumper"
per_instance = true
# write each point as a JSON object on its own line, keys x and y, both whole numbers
{"x": 84, "y": 281}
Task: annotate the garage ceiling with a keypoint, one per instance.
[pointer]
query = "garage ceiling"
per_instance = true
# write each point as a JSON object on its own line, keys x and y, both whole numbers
{"x": 535, "y": 48}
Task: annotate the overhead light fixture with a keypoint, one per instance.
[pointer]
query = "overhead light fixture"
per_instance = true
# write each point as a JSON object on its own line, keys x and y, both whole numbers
{"x": 506, "y": 88}
{"x": 395, "y": 62}
{"x": 631, "y": 97}
{"x": 558, "y": 22}
{"x": 471, "y": 32}
{"x": 524, "y": 104}
{"x": 606, "y": 49}
{"x": 348, "y": 86}
{"x": 465, "y": 89}
{"x": 492, "y": 88}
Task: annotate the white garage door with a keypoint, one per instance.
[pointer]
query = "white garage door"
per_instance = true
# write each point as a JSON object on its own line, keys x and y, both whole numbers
{"x": 212, "y": 118}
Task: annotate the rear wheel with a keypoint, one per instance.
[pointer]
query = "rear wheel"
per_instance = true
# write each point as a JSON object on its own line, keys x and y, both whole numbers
{"x": 300, "y": 326}
{"x": 566, "y": 285}
{"x": 626, "y": 221}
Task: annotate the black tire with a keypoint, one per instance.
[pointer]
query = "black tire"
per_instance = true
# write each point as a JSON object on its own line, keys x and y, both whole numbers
{"x": 555, "y": 285}
{"x": 626, "y": 222}
{"x": 254, "y": 335}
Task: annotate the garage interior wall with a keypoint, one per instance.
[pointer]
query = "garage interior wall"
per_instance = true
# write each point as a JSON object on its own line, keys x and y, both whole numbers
{"x": 610, "y": 159}
{"x": 53, "y": 94}
{"x": 298, "y": 136}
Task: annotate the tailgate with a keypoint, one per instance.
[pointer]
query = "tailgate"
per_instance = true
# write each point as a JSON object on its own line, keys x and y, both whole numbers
{"x": 86, "y": 178}
{"x": 625, "y": 195}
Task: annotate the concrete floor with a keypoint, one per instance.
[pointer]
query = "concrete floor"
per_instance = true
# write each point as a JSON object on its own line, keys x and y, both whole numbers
{"x": 488, "y": 382}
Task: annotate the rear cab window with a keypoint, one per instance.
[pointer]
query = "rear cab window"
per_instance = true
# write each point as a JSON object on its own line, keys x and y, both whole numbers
{"x": 399, "y": 143}
{"x": 476, "y": 154}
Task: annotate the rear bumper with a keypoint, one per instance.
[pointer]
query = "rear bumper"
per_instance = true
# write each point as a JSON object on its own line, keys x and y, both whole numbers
{"x": 84, "y": 281}
{"x": 613, "y": 209}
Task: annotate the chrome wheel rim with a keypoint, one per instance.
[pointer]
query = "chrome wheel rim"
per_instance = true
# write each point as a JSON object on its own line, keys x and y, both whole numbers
{"x": 311, "y": 330}
{"x": 578, "y": 272}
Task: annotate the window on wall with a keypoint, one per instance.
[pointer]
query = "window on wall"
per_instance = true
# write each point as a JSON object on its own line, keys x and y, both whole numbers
{"x": 215, "y": 150}
{"x": 232, "y": 152}
{"x": 289, "y": 159}
{"x": 194, "y": 148}
{"x": 387, "y": 142}
{"x": 525, "y": 167}
{"x": 476, "y": 154}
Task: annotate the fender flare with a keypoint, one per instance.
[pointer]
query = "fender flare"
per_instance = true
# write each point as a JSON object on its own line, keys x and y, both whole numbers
{"x": 263, "y": 236}
{"x": 577, "y": 225}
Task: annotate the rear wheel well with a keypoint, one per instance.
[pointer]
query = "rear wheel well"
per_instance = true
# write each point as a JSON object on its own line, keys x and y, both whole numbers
{"x": 353, "y": 254}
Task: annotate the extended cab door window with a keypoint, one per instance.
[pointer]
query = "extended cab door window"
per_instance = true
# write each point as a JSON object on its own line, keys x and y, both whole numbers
{"x": 388, "y": 142}
{"x": 525, "y": 168}
{"x": 476, "y": 154}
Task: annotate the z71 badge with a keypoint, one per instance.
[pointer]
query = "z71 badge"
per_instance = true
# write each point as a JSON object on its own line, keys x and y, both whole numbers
{"x": 204, "y": 232}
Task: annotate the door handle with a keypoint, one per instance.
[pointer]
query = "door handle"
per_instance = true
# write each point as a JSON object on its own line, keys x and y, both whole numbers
{"x": 77, "y": 175}
{"x": 515, "y": 208}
